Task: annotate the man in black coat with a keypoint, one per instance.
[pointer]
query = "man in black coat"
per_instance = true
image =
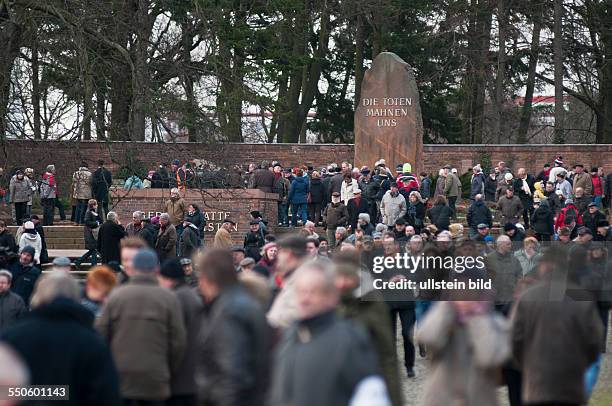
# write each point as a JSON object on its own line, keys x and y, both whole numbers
{"x": 60, "y": 347}
{"x": 101, "y": 180}
{"x": 592, "y": 217}
{"x": 25, "y": 274}
{"x": 320, "y": 337}
{"x": 12, "y": 307}
{"x": 356, "y": 206}
{"x": 183, "y": 386}
{"x": 335, "y": 183}
{"x": 6, "y": 238}
{"x": 110, "y": 234}
{"x": 478, "y": 213}
{"x": 235, "y": 340}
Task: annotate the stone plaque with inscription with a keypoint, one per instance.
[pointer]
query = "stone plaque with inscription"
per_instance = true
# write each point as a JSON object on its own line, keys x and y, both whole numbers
{"x": 388, "y": 122}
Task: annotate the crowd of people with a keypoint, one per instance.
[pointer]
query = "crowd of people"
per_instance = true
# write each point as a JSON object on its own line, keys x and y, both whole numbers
{"x": 295, "y": 320}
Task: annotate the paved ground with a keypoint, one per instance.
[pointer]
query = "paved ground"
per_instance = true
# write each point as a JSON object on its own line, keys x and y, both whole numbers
{"x": 413, "y": 388}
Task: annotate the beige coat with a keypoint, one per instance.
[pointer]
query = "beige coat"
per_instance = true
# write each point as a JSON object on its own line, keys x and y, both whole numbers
{"x": 223, "y": 239}
{"x": 465, "y": 357}
{"x": 584, "y": 181}
{"x": 144, "y": 326}
{"x": 176, "y": 209}
{"x": 81, "y": 184}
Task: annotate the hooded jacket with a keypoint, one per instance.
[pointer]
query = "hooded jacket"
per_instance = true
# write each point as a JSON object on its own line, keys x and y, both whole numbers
{"x": 33, "y": 240}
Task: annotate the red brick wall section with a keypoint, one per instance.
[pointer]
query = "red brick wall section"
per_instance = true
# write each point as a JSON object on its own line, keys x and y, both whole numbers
{"x": 216, "y": 204}
{"x": 68, "y": 155}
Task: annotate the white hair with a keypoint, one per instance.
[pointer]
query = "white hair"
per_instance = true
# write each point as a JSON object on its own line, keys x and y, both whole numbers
{"x": 138, "y": 214}
{"x": 341, "y": 230}
{"x": 54, "y": 285}
{"x": 164, "y": 216}
{"x": 309, "y": 224}
{"x": 365, "y": 217}
{"x": 112, "y": 216}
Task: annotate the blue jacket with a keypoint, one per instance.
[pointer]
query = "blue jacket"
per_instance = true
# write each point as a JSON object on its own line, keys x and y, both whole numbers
{"x": 477, "y": 185}
{"x": 298, "y": 194}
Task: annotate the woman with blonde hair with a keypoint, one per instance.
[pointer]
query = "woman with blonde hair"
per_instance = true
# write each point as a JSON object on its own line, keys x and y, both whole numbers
{"x": 529, "y": 256}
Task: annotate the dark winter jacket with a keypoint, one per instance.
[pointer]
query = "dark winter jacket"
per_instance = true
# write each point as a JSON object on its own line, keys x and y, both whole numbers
{"x": 590, "y": 220}
{"x": 24, "y": 279}
{"x": 298, "y": 193}
{"x": 281, "y": 188}
{"x": 253, "y": 242}
{"x": 317, "y": 191}
{"x": 415, "y": 214}
{"x": 92, "y": 222}
{"x": 335, "y": 184}
{"x": 149, "y": 234}
{"x": 384, "y": 185}
{"x": 8, "y": 240}
{"x": 183, "y": 382}
{"x": 12, "y": 308}
{"x": 426, "y": 188}
{"x": 165, "y": 246}
{"x": 189, "y": 241}
{"x": 262, "y": 179}
{"x": 477, "y": 188}
{"x": 553, "y": 202}
{"x": 101, "y": 180}
{"x": 542, "y": 219}
{"x": 233, "y": 351}
{"x": 479, "y": 213}
{"x": 335, "y": 215}
{"x": 490, "y": 188}
{"x": 108, "y": 241}
{"x": 549, "y": 333}
{"x": 440, "y": 216}
{"x": 343, "y": 347}
{"x": 354, "y": 210}
{"x": 526, "y": 199}
{"x": 198, "y": 220}
{"x": 60, "y": 347}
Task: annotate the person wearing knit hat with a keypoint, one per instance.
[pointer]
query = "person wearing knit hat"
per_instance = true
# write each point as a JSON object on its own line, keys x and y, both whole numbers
{"x": 25, "y": 274}
{"x": 558, "y": 168}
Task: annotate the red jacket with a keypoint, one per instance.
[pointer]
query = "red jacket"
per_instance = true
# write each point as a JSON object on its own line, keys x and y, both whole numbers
{"x": 563, "y": 213}
{"x": 597, "y": 185}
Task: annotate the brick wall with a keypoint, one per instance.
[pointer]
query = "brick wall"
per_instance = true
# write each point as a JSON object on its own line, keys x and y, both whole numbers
{"x": 216, "y": 205}
{"x": 67, "y": 155}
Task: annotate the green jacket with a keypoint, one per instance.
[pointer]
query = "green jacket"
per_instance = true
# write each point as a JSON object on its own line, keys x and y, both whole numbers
{"x": 452, "y": 185}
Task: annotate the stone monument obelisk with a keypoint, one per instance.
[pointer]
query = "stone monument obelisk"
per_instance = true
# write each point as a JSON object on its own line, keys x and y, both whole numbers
{"x": 388, "y": 122}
